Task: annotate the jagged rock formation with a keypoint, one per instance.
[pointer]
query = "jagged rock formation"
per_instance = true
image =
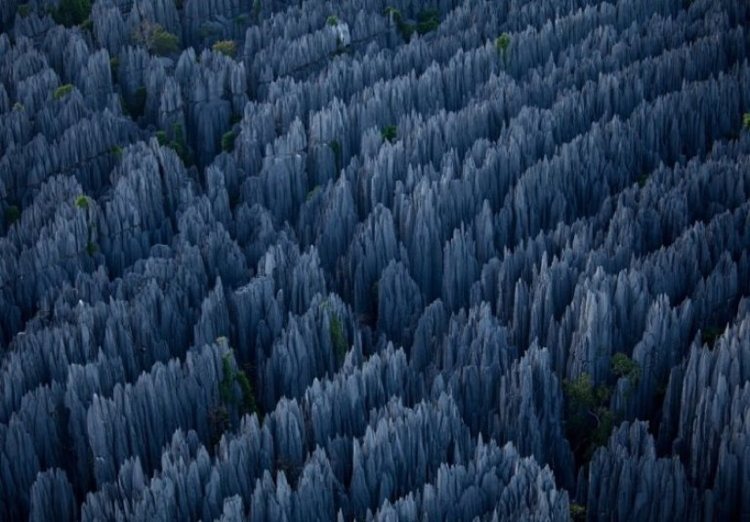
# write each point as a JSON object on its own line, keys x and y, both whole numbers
{"x": 455, "y": 260}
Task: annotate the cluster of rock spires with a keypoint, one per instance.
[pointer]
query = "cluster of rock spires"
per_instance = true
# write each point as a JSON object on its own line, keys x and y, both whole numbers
{"x": 375, "y": 260}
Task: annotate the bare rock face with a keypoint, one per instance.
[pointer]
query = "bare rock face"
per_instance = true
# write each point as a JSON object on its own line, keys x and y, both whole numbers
{"x": 456, "y": 260}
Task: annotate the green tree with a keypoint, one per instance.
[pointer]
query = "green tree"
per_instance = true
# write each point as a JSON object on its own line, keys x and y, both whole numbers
{"x": 588, "y": 421}
{"x": 746, "y": 120}
{"x": 72, "y": 12}
{"x": 428, "y": 20}
{"x": 156, "y": 39}
{"x": 332, "y": 20}
{"x": 624, "y": 366}
{"x": 502, "y": 43}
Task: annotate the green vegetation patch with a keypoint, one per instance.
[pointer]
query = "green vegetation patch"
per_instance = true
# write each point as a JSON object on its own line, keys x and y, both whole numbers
{"x": 24, "y": 10}
{"x": 336, "y": 148}
{"x": 227, "y": 141}
{"x": 176, "y": 143}
{"x": 12, "y": 214}
{"x": 314, "y": 192}
{"x": 338, "y": 338}
{"x": 62, "y": 91}
{"x": 226, "y": 47}
{"x": 710, "y": 335}
{"x": 577, "y": 512}
{"x": 427, "y": 21}
{"x": 72, "y": 12}
{"x": 502, "y": 43}
{"x": 389, "y": 133}
{"x": 588, "y": 421}
{"x": 82, "y": 202}
{"x": 228, "y": 381}
{"x": 156, "y": 39}
{"x": 164, "y": 43}
{"x": 137, "y": 105}
{"x": 624, "y": 366}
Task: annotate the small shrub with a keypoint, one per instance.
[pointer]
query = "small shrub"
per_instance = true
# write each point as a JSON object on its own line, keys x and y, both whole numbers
{"x": 208, "y": 30}
{"x": 392, "y": 12}
{"x": 116, "y": 151}
{"x": 218, "y": 419}
{"x": 227, "y": 141}
{"x": 24, "y": 10}
{"x": 332, "y": 20}
{"x": 710, "y": 334}
{"x": 18, "y": 107}
{"x": 114, "y": 64}
{"x": 338, "y": 339}
{"x": 138, "y": 104}
{"x": 12, "y": 214}
{"x": 314, "y": 192}
{"x": 226, "y": 47}
{"x": 248, "y": 397}
{"x": 226, "y": 386}
{"x": 336, "y": 148}
{"x": 746, "y": 120}
{"x": 88, "y": 25}
{"x": 62, "y": 91}
{"x": 177, "y": 143}
{"x": 82, "y": 202}
{"x": 389, "y": 133}
{"x": 227, "y": 381}
{"x": 91, "y": 248}
{"x": 577, "y": 512}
